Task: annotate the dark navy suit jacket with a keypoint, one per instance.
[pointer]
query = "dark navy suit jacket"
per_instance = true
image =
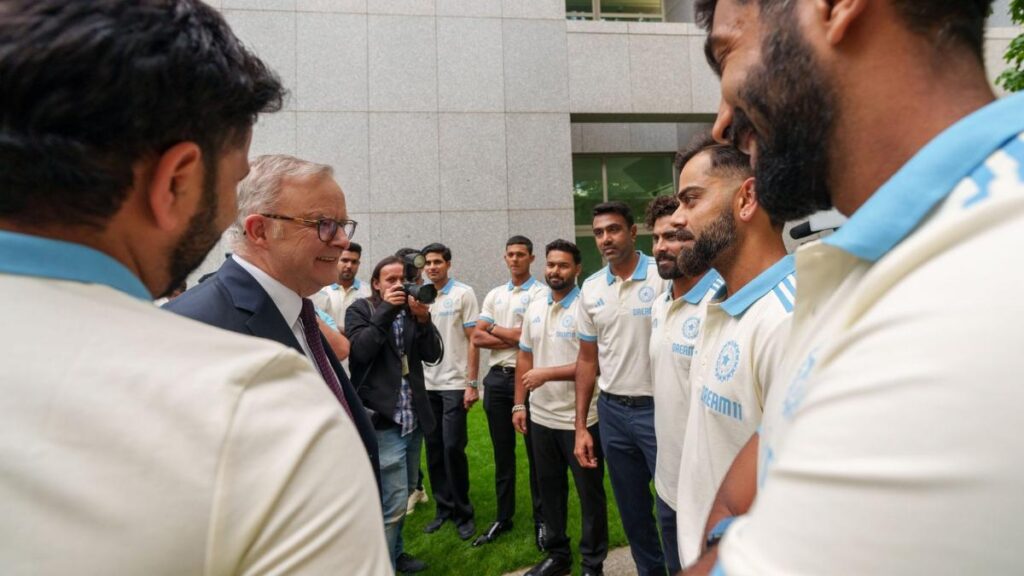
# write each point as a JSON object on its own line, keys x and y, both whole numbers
{"x": 232, "y": 299}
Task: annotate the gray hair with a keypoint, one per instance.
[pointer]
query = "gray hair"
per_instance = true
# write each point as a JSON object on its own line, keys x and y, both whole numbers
{"x": 260, "y": 189}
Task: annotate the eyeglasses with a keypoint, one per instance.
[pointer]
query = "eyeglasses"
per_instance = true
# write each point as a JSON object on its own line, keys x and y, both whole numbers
{"x": 326, "y": 228}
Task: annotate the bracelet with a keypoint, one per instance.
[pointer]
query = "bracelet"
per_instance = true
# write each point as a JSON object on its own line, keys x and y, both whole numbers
{"x": 489, "y": 329}
{"x": 519, "y": 408}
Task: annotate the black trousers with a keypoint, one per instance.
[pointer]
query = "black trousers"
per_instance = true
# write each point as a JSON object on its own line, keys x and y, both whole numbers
{"x": 446, "y": 456}
{"x": 553, "y": 454}
{"x": 499, "y": 397}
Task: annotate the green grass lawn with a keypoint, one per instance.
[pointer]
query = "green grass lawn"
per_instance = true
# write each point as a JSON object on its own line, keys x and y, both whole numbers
{"x": 444, "y": 553}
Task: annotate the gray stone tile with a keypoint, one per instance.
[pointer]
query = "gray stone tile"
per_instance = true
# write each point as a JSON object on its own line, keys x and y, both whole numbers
{"x": 477, "y": 240}
{"x": 596, "y": 27}
{"x": 653, "y": 137}
{"x": 273, "y": 134}
{"x": 659, "y": 69}
{"x": 332, "y": 62}
{"x": 598, "y": 69}
{"x": 707, "y": 92}
{"x": 258, "y": 4}
{"x": 535, "y": 66}
{"x": 539, "y": 161}
{"x": 271, "y": 35}
{"x": 610, "y": 137}
{"x": 687, "y": 131}
{"x": 404, "y": 7}
{"x": 542, "y": 226}
{"x": 473, "y": 171}
{"x": 577, "y": 138}
{"x": 403, "y": 162}
{"x": 548, "y": 9}
{"x": 469, "y": 8}
{"x": 364, "y": 237}
{"x": 403, "y": 64}
{"x": 661, "y": 28}
{"x": 469, "y": 65}
{"x": 340, "y": 139}
{"x": 391, "y": 231}
{"x": 994, "y": 63}
{"x": 344, "y": 6}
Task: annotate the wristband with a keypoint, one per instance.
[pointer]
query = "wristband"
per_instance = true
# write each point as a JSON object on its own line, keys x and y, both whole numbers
{"x": 519, "y": 408}
{"x": 715, "y": 536}
{"x": 473, "y": 384}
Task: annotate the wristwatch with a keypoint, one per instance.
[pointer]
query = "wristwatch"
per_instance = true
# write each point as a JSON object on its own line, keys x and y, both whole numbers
{"x": 519, "y": 408}
{"x": 473, "y": 384}
{"x": 490, "y": 328}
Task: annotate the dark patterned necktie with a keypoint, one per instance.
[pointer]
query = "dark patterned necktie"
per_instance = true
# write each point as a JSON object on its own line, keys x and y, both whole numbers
{"x": 316, "y": 348}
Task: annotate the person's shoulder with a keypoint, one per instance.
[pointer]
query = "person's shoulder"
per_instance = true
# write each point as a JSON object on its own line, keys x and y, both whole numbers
{"x": 591, "y": 281}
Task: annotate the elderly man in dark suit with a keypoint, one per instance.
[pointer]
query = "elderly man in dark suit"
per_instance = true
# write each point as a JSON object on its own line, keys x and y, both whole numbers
{"x": 291, "y": 228}
{"x": 392, "y": 336}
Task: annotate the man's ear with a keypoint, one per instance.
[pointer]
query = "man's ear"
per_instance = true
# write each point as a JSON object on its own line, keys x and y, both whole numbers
{"x": 745, "y": 203}
{"x": 835, "y": 17}
{"x": 175, "y": 186}
{"x": 257, "y": 229}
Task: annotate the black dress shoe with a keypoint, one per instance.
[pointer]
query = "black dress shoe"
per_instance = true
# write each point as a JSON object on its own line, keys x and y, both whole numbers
{"x": 588, "y": 571}
{"x": 541, "y": 536}
{"x": 492, "y": 532}
{"x": 408, "y": 564}
{"x": 551, "y": 566}
{"x": 467, "y": 529}
{"x": 434, "y": 525}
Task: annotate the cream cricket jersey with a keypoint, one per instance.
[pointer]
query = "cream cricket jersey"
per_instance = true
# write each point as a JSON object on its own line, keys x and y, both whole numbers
{"x": 616, "y": 314}
{"x": 454, "y": 310}
{"x": 675, "y": 330}
{"x": 890, "y": 444}
{"x": 505, "y": 306}
{"x": 549, "y": 334}
{"x": 335, "y": 300}
{"x": 737, "y": 359}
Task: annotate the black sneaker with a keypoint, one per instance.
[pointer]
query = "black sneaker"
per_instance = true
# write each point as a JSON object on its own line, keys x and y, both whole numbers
{"x": 407, "y": 564}
{"x": 434, "y": 525}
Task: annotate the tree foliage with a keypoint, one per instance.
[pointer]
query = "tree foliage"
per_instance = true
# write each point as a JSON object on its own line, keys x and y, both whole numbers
{"x": 1012, "y": 79}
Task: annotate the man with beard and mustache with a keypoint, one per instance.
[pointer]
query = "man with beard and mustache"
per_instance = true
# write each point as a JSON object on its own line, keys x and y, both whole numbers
{"x": 614, "y": 326}
{"x": 290, "y": 229}
{"x": 134, "y": 440}
{"x": 740, "y": 344}
{"x": 884, "y": 447}
{"x": 676, "y": 319}
{"x": 545, "y": 368}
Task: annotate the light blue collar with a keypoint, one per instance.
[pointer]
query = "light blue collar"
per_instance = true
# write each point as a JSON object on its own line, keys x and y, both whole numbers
{"x": 567, "y": 301}
{"x": 895, "y": 209}
{"x": 448, "y": 286}
{"x": 525, "y": 285}
{"x": 744, "y": 297}
{"x": 26, "y": 255}
{"x": 639, "y": 273}
{"x": 356, "y": 285}
{"x": 698, "y": 292}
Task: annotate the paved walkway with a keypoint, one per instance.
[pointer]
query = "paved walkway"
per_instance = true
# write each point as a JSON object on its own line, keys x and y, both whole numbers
{"x": 618, "y": 563}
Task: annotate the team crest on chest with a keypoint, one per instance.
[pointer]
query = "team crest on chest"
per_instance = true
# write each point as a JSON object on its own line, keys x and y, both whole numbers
{"x": 691, "y": 328}
{"x": 728, "y": 361}
{"x": 567, "y": 321}
{"x": 448, "y": 304}
{"x": 646, "y": 294}
{"x": 798, "y": 387}
{"x": 525, "y": 298}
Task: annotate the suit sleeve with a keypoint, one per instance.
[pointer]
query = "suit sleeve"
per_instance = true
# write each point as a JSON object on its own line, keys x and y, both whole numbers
{"x": 368, "y": 330}
{"x": 428, "y": 343}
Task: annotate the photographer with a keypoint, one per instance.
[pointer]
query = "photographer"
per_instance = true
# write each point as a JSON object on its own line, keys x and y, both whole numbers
{"x": 392, "y": 336}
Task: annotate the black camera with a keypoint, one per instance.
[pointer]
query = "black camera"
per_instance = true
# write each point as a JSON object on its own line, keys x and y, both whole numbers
{"x": 425, "y": 293}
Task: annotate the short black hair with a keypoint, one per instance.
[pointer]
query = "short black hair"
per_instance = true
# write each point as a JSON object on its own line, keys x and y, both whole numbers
{"x": 517, "y": 239}
{"x": 87, "y": 89}
{"x": 725, "y": 158}
{"x": 658, "y": 208}
{"x": 354, "y": 247}
{"x": 445, "y": 252}
{"x": 564, "y": 246}
{"x": 615, "y": 207}
{"x": 944, "y": 22}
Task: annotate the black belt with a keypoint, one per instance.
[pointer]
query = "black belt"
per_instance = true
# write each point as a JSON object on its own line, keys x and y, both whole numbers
{"x": 630, "y": 401}
{"x": 504, "y": 369}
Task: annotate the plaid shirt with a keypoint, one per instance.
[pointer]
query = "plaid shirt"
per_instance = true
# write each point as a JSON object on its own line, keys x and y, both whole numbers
{"x": 404, "y": 415}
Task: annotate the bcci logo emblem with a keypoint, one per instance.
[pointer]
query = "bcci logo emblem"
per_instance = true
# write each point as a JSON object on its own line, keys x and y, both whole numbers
{"x": 798, "y": 387}
{"x": 525, "y": 298}
{"x": 448, "y": 304}
{"x": 691, "y": 328}
{"x": 654, "y": 324}
{"x": 567, "y": 321}
{"x": 728, "y": 361}
{"x": 646, "y": 294}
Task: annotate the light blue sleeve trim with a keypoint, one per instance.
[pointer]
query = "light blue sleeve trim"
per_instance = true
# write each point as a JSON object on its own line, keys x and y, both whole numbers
{"x": 487, "y": 319}
{"x": 586, "y": 337}
{"x": 525, "y": 348}
{"x": 718, "y": 570}
{"x": 469, "y": 324}
{"x": 326, "y": 318}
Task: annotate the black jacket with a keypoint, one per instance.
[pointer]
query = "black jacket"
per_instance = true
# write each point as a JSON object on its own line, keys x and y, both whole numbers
{"x": 376, "y": 363}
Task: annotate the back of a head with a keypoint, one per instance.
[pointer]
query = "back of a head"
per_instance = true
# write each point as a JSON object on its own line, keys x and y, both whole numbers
{"x": 88, "y": 89}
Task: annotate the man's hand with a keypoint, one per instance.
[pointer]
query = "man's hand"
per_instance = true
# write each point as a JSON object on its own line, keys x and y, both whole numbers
{"x": 585, "y": 449}
{"x": 470, "y": 397}
{"x": 419, "y": 310}
{"x": 519, "y": 421}
{"x": 534, "y": 379}
{"x": 394, "y": 295}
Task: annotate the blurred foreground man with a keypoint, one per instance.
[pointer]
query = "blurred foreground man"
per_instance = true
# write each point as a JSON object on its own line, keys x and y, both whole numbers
{"x": 885, "y": 446}
{"x": 133, "y": 440}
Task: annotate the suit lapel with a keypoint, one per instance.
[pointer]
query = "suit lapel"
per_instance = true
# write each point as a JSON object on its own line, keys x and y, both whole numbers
{"x": 265, "y": 320}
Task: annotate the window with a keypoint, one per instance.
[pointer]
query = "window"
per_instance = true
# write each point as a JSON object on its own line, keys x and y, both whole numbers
{"x": 632, "y": 178}
{"x": 628, "y": 10}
